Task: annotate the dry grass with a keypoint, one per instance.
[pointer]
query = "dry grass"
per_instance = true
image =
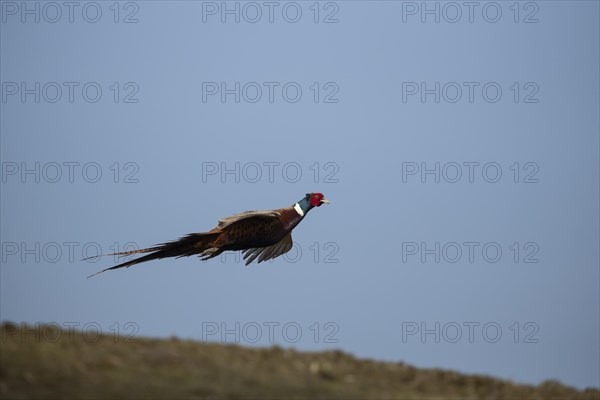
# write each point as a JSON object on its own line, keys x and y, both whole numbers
{"x": 73, "y": 367}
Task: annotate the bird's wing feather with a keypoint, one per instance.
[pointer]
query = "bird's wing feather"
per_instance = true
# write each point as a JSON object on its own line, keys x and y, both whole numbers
{"x": 252, "y": 253}
{"x": 225, "y": 222}
{"x": 270, "y": 252}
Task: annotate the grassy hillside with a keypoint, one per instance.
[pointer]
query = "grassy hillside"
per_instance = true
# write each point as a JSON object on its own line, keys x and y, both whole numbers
{"x": 55, "y": 364}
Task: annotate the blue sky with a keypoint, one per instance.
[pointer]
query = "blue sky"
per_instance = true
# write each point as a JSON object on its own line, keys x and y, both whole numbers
{"x": 460, "y": 156}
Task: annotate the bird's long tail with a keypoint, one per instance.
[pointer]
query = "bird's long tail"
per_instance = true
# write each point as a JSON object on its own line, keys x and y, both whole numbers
{"x": 194, "y": 243}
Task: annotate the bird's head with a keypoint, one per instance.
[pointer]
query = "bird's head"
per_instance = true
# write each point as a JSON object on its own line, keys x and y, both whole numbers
{"x": 316, "y": 199}
{"x": 310, "y": 201}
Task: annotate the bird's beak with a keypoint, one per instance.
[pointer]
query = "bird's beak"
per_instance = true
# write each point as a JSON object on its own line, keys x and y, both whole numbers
{"x": 325, "y": 201}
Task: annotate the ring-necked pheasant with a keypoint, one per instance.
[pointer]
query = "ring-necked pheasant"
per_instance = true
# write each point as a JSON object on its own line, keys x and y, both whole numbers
{"x": 260, "y": 234}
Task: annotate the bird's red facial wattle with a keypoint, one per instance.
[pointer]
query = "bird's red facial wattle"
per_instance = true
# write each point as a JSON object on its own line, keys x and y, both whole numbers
{"x": 316, "y": 199}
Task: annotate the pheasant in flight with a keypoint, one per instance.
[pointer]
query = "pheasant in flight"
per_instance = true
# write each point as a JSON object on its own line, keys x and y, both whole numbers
{"x": 259, "y": 234}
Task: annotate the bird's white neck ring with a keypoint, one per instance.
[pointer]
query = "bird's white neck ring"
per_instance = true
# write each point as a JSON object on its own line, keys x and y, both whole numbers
{"x": 299, "y": 209}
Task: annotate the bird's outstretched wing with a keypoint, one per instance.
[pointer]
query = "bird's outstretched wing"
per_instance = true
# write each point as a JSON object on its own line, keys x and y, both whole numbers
{"x": 267, "y": 253}
{"x": 225, "y": 222}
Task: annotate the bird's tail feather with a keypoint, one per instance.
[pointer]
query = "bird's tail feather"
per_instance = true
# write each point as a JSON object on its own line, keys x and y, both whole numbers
{"x": 194, "y": 243}
{"x": 124, "y": 253}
